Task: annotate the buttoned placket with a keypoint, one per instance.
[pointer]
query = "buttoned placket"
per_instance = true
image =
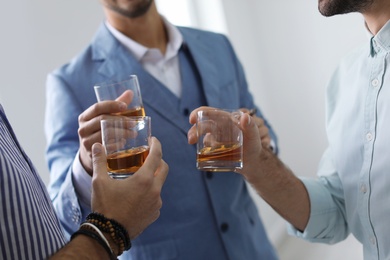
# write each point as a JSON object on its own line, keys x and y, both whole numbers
{"x": 378, "y": 64}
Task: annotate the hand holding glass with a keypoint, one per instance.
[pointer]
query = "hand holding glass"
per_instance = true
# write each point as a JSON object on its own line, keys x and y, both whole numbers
{"x": 113, "y": 90}
{"x": 219, "y": 146}
{"x": 126, "y": 140}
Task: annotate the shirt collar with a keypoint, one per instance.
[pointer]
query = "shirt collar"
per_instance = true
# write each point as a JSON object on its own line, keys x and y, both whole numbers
{"x": 139, "y": 51}
{"x": 380, "y": 41}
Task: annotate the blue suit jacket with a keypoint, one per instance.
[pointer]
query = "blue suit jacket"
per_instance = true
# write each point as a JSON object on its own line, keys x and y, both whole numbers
{"x": 204, "y": 216}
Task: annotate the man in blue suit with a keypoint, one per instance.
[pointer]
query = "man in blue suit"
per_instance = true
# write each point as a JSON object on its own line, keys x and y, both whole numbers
{"x": 205, "y": 215}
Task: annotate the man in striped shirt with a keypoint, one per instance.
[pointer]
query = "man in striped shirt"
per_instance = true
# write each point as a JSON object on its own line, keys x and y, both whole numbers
{"x": 29, "y": 228}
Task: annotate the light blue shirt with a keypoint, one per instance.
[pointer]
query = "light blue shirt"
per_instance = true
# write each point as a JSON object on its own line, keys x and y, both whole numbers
{"x": 352, "y": 194}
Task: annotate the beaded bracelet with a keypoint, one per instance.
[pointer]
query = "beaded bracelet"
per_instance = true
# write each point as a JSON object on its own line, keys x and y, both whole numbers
{"x": 118, "y": 233}
{"x": 96, "y": 237}
{"x": 94, "y": 228}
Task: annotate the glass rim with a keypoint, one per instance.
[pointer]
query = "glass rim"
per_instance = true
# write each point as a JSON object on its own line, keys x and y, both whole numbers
{"x": 132, "y": 77}
{"x": 124, "y": 118}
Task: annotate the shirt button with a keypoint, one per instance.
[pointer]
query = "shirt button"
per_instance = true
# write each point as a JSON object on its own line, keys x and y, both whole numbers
{"x": 363, "y": 188}
{"x": 75, "y": 214}
{"x": 373, "y": 241}
{"x": 375, "y": 82}
{"x": 369, "y": 137}
{"x": 224, "y": 227}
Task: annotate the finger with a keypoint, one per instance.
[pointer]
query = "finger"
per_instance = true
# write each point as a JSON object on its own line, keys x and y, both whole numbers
{"x": 126, "y": 97}
{"x": 115, "y": 146}
{"x": 207, "y": 126}
{"x": 194, "y": 114}
{"x": 90, "y": 135}
{"x": 249, "y": 127}
{"x": 162, "y": 173}
{"x": 245, "y": 110}
{"x": 100, "y": 108}
{"x": 86, "y": 128}
{"x": 264, "y": 135}
{"x": 263, "y": 130}
{"x": 266, "y": 142}
{"x": 112, "y": 134}
{"x": 192, "y": 135}
{"x": 99, "y": 161}
{"x": 259, "y": 121}
{"x": 153, "y": 160}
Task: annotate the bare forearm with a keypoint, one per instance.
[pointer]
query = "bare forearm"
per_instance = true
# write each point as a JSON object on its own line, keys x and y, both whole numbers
{"x": 281, "y": 189}
{"x": 81, "y": 247}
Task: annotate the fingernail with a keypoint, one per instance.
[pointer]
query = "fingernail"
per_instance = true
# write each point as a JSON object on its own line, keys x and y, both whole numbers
{"x": 96, "y": 149}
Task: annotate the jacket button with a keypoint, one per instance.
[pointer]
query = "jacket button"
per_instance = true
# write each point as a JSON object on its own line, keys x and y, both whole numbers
{"x": 186, "y": 112}
{"x": 224, "y": 227}
{"x": 209, "y": 175}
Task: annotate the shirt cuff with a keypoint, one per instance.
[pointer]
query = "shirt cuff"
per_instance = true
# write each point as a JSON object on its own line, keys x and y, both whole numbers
{"x": 322, "y": 214}
{"x": 82, "y": 182}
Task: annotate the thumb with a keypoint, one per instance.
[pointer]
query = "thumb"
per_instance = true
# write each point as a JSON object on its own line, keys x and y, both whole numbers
{"x": 249, "y": 128}
{"x": 99, "y": 161}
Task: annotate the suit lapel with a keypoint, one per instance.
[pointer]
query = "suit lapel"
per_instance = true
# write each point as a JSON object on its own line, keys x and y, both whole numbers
{"x": 203, "y": 59}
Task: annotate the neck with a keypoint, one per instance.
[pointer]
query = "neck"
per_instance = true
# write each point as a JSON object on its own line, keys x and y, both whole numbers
{"x": 148, "y": 30}
{"x": 377, "y": 15}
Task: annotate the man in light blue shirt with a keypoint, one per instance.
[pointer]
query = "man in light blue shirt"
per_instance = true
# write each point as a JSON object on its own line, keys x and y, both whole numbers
{"x": 352, "y": 192}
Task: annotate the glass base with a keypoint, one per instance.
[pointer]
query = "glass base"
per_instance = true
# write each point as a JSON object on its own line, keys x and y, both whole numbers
{"x": 215, "y": 166}
{"x": 119, "y": 176}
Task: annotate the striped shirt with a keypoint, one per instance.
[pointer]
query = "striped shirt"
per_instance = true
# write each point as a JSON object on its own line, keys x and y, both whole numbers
{"x": 29, "y": 228}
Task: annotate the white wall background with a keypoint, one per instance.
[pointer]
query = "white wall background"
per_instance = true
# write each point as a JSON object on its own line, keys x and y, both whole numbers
{"x": 287, "y": 48}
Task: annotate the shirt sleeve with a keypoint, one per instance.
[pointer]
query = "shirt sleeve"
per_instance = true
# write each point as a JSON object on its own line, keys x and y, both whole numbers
{"x": 61, "y": 124}
{"x": 82, "y": 182}
{"x": 327, "y": 222}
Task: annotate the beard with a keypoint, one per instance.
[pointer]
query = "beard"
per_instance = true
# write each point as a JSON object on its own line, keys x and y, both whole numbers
{"x": 334, "y": 7}
{"x": 131, "y": 10}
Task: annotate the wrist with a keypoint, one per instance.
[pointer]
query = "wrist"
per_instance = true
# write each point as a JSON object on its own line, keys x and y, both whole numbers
{"x": 95, "y": 237}
{"x": 118, "y": 235}
{"x": 258, "y": 166}
{"x": 86, "y": 163}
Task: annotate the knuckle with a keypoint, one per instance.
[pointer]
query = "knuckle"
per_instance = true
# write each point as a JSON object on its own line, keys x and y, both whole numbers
{"x": 80, "y": 131}
{"x": 156, "y": 194}
{"x": 144, "y": 182}
{"x": 84, "y": 142}
{"x": 159, "y": 203}
{"x": 81, "y": 117}
{"x": 95, "y": 109}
